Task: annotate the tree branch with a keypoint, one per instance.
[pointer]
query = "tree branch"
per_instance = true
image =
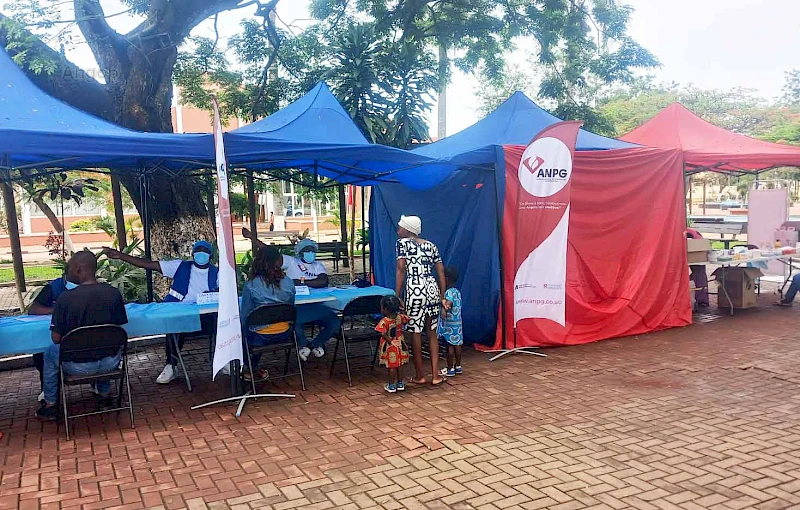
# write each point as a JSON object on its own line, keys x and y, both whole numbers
{"x": 68, "y": 83}
{"x": 108, "y": 46}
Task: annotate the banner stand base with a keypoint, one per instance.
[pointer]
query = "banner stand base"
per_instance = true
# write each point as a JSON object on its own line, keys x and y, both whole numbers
{"x": 243, "y": 400}
{"x": 517, "y": 350}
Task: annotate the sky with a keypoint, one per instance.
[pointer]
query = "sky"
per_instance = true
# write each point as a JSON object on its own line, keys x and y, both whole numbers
{"x": 719, "y": 44}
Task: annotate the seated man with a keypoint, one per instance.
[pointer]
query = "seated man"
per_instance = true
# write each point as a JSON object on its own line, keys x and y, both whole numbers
{"x": 43, "y": 305}
{"x": 190, "y": 278}
{"x": 90, "y": 304}
{"x": 794, "y": 287}
{"x": 304, "y": 269}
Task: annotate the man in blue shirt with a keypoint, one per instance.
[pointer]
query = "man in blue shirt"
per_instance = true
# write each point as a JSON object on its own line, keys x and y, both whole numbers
{"x": 43, "y": 305}
{"x": 190, "y": 278}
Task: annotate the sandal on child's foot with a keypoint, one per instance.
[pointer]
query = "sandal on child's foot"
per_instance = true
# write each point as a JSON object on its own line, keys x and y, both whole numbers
{"x": 401, "y": 386}
{"x": 459, "y": 370}
{"x": 391, "y": 388}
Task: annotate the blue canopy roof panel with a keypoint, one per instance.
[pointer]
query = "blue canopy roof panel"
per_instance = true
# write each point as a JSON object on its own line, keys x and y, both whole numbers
{"x": 515, "y": 122}
{"x": 315, "y": 134}
{"x": 303, "y": 119}
{"x": 37, "y": 130}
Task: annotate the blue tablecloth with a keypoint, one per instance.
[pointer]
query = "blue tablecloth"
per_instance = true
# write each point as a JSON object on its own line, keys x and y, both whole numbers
{"x": 27, "y": 334}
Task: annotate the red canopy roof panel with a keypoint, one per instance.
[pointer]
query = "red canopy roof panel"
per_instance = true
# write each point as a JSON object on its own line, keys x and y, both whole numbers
{"x": 706, "y": 145}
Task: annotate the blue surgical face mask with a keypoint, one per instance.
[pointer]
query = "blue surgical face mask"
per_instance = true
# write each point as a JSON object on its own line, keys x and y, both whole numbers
{"x": 69, "y": 285}
{"x": 201, "y": 258}
{"x": 309, "y": 257}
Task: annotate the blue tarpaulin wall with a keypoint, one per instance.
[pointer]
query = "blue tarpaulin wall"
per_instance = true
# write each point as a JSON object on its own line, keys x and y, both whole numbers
{"x": 460, "y": 217}
{"x": 461, "y": 213}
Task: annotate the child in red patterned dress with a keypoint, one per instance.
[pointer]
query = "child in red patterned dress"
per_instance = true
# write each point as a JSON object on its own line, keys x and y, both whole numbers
{"x": 393, "y": 348}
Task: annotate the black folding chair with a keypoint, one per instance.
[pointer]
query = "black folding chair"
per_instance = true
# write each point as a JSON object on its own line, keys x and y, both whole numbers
{"x": 95, "y": 343}
{"x": 361, "y": 330}
{"x": 268, "y": 315}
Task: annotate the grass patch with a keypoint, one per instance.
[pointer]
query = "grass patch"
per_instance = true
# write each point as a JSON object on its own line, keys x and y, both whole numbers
{"x": 32, "y": 273}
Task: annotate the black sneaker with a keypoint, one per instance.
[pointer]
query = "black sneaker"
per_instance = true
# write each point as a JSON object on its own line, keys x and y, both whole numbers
{"x": 46, "y": 413}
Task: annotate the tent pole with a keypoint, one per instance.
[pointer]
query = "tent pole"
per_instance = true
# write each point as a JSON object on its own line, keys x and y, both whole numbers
{"x": 210, "y": 200}
{"x": 119, "y": 213}
{"x": 363, "y": 236}
{"x": 251, "y": 204}
{"x": 144, "y": 191}
{"x": 343, "y": 220}
{"x": 501, "y": 265}
{"x": 13, "y": 236}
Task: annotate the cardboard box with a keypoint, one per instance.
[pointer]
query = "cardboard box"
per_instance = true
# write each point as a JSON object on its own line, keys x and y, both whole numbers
{"x": 740, "y": 286}
{"x": 697, "y": 250}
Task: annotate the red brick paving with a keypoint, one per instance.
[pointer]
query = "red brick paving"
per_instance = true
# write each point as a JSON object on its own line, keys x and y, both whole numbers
{"x": 702, "y": 417}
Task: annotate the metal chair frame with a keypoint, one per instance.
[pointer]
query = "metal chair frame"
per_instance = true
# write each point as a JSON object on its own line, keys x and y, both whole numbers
{"x": 86, "y": 340}
{"x": 360, "y": 307}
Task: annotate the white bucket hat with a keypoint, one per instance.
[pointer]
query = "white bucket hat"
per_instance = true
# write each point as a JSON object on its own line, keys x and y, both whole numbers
{"x": 411, "y": 223}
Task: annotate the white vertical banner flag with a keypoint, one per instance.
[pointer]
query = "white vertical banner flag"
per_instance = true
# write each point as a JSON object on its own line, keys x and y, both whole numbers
{"x": 229, "y": 328}
{"x": 542, "y": 224}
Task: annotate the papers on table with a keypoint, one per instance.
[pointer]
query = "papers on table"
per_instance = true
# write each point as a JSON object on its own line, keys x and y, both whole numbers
{"x": 302, "y": 290}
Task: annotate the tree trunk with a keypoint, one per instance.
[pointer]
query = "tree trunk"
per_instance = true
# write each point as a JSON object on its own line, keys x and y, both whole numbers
{"x": 210, "y": 205}
{"x": 54, "y": 221}
{"x": 444, "y": 68}
{"x": 351, "y": 252}
{"x": 138, "y": 95}
{"x": 13, "y": 236}
{"x": 119, "y": 214}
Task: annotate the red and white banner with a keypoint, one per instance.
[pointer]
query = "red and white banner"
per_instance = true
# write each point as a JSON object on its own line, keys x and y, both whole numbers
{"x": 610, "y": 232}
{"x": 542, "y": 190}
{"x": 229, "y": 329}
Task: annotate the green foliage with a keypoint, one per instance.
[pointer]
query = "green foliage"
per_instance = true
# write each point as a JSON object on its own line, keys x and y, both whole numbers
{"x": 239, "y": 205}
{"x": 131, "y": 281}
{"x": 32, "y": 273}
{"x": 22, "y": 16}
{"x": 362, "y": 237}
{"x": 243, "y": 268}
{"x": 739, "y": 110}
{"x": 85, "y": 225}
{"x": 584, "y": 50}
{"x": 62, "y": 186}
{"x": 791, "y": 89}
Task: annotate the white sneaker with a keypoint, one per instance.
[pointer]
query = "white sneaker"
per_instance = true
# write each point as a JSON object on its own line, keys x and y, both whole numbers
{"x": 304, "y": 353}
{"x": 40, "y": 398}
{"x": 318, "y": 352}
{"x": 167, "y": 375}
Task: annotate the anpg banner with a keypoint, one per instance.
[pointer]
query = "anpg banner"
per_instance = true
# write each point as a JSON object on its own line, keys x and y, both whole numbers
{"x": 229, "y": 329}
{"x": 592, "y": 247}
{"x": 538, "y": 195}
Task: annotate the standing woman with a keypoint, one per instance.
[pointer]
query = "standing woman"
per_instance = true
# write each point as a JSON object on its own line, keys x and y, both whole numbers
{"x": 417, "y": 259}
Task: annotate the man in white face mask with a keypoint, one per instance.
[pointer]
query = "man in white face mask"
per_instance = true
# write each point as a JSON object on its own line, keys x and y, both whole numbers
{"x": 190, "y": 278}
{"x": 304, "y": 269}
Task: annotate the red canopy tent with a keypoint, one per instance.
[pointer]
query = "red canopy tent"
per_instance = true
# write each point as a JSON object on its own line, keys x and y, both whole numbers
{"x": 707, "y": 147}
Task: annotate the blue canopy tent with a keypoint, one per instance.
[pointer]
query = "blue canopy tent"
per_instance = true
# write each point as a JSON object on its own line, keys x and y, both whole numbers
{"x": 462, "y": 214}
{"x": 39, "y": 131}
{"x": 316, "y": 135}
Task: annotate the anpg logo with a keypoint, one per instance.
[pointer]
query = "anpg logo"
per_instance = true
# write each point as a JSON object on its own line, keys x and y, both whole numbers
{"x": 546, "y": 167}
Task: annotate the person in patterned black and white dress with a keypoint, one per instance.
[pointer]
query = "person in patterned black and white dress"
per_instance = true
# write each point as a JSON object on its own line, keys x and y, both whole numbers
{"x": 420, "y": 273}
